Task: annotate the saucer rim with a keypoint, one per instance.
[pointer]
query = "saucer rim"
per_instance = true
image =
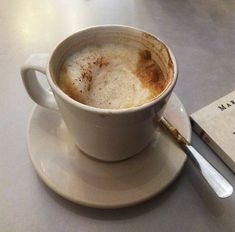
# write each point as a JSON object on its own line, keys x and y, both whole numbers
{"x": 94, "y": 204}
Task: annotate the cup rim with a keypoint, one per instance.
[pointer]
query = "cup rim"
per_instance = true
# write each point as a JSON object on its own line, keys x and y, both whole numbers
{"x": 93, "y": 109}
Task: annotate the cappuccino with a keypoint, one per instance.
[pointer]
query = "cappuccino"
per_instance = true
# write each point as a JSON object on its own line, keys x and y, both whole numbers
{"x": 112, "y": 76}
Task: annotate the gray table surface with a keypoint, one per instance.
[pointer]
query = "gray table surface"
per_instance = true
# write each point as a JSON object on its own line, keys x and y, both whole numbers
{"x": 202, "y": 37}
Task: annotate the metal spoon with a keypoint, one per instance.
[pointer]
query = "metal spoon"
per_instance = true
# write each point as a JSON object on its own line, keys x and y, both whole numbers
{"x": 214, "y": 179}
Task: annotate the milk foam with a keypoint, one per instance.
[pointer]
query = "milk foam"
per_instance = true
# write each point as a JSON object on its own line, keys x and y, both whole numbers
{"x": 104, "y": 77}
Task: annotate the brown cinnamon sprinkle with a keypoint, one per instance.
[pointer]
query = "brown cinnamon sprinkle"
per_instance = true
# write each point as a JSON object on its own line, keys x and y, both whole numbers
{"x": 87, "y": 71}
{"x": 86, "y": 74}
{"x": 150, "y": 73}
{"x": 101, "y": 61}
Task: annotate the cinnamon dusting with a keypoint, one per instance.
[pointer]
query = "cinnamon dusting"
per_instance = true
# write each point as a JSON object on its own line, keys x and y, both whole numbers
{"x": 150, "y": 73}
{"x": 86, "y": 74}
{"x": 101, "y": 61}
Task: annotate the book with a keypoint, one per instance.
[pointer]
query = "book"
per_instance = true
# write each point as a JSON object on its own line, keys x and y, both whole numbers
{"x": 215, "y": 124}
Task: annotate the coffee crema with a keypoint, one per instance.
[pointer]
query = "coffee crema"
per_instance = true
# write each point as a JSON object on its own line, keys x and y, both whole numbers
{"x": 112, "y": 76}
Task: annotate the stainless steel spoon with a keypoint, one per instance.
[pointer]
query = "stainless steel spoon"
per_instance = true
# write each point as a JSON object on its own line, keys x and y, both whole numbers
{"x": 214, "y": 179}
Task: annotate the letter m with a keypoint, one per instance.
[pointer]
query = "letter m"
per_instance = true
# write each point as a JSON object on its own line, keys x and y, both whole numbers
{"x": 222, "y": 107}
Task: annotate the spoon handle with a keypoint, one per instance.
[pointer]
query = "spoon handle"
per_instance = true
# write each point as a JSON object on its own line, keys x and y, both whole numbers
{"x": 214, "y": 179}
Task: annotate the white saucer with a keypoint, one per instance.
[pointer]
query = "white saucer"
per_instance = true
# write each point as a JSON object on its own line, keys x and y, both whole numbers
{"x": 89, "y": 182}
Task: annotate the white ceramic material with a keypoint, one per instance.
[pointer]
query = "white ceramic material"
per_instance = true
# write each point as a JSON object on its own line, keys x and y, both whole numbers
{"x": 90, "y": 182}
{"x": 109, "y": 135}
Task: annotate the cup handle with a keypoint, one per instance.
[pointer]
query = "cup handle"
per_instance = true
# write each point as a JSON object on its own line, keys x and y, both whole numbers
{"x": 39, "y": 94}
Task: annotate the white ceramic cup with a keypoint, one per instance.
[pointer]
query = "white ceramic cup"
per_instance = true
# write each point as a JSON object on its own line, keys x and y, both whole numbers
{"x": 105, "y": 134}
